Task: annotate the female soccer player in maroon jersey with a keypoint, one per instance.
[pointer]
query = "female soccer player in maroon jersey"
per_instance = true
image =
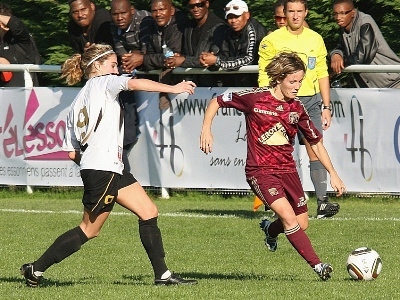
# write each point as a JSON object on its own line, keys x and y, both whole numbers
{"x": 273, "y": 116}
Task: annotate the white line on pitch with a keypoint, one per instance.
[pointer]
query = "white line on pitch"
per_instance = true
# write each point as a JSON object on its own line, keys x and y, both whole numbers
{"x": 186, "y": 215}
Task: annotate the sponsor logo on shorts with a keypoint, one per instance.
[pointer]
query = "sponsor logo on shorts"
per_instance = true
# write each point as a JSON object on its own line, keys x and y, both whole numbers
{"x": 302, "y": 202}
{"x": 108, "y": 199}
{"x": 273, "y": 191}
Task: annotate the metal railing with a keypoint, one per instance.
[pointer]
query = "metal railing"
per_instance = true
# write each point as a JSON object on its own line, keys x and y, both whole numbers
{"x": 30, "y": 68}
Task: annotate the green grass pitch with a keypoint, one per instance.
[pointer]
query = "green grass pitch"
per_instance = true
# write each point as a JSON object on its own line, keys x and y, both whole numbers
{"x": 213, "y": 239}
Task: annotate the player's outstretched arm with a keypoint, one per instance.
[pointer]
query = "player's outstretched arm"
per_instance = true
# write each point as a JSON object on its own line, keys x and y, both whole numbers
{"x": 206, "y": 137}
{"x": 153, "y": 86}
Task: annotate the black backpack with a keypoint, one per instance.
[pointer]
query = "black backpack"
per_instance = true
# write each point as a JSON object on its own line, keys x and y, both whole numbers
{"x": 34, "y": 57}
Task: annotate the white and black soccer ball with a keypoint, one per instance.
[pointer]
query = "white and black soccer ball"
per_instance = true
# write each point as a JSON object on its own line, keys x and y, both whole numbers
{"x": 364, "y": 264}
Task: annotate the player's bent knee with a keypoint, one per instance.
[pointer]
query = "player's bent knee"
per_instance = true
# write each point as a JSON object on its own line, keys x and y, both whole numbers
{"x": 303, "y": 224}
{"x": 304, "y": 227}
{"x": 91, "y": 234}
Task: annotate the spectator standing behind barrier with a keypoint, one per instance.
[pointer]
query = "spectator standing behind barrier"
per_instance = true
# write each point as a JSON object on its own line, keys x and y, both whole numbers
{"x": 16, "y": 47}
{"x": 89, "y": 24}
{"x": 310, "y": 46}
{"x": 273, "y": 117}
{"x": 204, "y": 31}
{"x": 240, "y": 45}
{"x": 361, "y": 42}
{"x": 128, "y": 24}
{"x": 93, "y": 139}
{"x": 167, "y": 29}
{"x": 279, "y": 14}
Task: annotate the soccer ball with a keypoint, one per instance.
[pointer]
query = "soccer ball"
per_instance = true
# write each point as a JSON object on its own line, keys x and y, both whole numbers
{"x": 364, "y": 264}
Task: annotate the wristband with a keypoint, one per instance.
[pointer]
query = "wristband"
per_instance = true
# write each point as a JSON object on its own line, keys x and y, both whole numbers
{"x": 326, "y": 107}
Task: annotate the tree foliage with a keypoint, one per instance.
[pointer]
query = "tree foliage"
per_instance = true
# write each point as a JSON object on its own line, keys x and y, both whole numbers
{"x": 47, "y": 20}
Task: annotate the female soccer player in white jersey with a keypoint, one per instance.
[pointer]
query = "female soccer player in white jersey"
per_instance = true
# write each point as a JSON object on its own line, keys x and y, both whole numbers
{"x": 273, "y": 117}
{"x": 94, "y": 140}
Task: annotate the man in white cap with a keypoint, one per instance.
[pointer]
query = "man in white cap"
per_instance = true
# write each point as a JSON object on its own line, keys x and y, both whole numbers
{"x": 240, "y": 45}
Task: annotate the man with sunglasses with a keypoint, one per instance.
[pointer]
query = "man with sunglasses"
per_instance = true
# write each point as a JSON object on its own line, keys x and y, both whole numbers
{"x": 239, "y": 46}
{"x": 279, "y": 15}
{"x": 205, "y": 29}
{"x": 314, "y": 92}
{"x": 361, "y": 42}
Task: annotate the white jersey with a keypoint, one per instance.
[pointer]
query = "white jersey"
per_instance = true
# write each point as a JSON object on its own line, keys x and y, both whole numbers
{"x": 95, "y": 124}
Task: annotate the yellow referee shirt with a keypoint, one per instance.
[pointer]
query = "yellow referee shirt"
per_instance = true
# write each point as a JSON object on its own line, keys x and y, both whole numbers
{"x": 310, "y": 47}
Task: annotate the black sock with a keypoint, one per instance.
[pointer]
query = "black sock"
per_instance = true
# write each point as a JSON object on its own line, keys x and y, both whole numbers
{"x": 275, "y": 228}
{"x": 150, "y": 236}
{"x": 65, "y": 245}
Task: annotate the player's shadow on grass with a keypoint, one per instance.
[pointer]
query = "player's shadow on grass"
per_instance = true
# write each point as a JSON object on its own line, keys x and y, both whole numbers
{"x": 43, "y": 283}
{"x": 47, "y": 283}
{"x": 239, "y": 276}
{"x": 244, "y": 214}
{"x": 144, "y": 280}
{"x": 133, "y": 280}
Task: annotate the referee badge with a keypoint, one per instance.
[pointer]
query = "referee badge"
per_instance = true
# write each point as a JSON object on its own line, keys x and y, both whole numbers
{"x": 312, "y": 62}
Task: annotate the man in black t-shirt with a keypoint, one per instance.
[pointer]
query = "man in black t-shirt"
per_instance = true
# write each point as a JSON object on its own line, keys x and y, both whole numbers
{"x": 89, "y": 24}
{"x": 15, "y": 48}
{"x": 205, "y": 29}
{"x": 239, "y": 47}
{"x": 127, "y": 27}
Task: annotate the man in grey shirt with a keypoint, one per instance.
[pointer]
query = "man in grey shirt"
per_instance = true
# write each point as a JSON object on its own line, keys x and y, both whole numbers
{"x": 361, "y": 42}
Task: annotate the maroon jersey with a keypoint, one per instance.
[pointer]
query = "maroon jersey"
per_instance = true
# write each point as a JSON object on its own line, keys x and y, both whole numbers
{"x": 271, "y": 127}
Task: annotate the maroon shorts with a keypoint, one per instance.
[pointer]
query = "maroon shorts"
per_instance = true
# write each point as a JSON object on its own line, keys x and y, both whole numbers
{"x": 269, "y": 187}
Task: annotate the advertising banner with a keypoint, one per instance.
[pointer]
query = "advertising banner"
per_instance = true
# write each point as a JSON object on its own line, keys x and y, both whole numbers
{"x": 363, "y": 140}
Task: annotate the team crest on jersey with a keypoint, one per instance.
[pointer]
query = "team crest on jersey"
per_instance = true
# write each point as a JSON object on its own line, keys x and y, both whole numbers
{"x": 293, "y": 118}
{"x": 273, "y": 191}
{"x": 312, "y": 61}
{"x": 227, "y": 97}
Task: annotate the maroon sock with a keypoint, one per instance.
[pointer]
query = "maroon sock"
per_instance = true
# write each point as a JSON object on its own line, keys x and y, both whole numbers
{"x": 300, "y": 241}
{"x": 275, "y": 228}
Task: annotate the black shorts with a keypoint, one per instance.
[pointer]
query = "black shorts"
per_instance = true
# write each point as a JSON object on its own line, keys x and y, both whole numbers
{"x": 101, "y": 189}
